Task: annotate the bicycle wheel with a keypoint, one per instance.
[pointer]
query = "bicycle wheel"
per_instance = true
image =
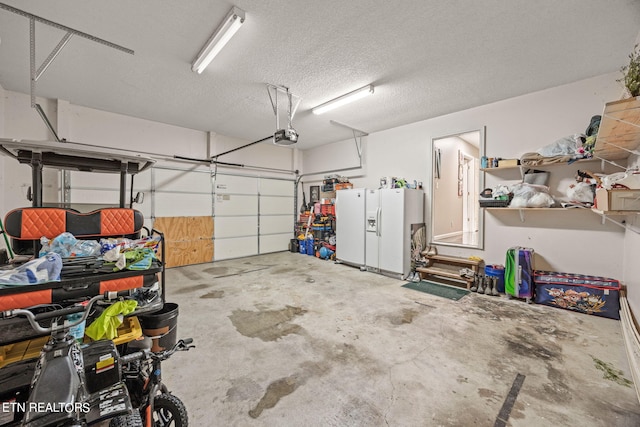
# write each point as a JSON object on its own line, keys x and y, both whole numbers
{"x": 169, "y": 411}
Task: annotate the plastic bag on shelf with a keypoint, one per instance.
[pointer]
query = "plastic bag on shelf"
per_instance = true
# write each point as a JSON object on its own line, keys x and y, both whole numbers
{"x": 123, "y": 243}
{"x": 531, "y": 196}
{"x": 67, "y": 246}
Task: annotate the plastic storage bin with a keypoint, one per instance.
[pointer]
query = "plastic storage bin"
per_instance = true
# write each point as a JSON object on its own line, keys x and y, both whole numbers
{"x": 578, "y": 292}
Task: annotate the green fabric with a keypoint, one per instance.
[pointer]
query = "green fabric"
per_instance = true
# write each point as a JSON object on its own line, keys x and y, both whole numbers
{"x": 106, "y": 325}
{"x": 139, "y": 259}
{"x": 438, "y": 289}
{"x": 509, "y": 273}
{"x": 136, "y": 259}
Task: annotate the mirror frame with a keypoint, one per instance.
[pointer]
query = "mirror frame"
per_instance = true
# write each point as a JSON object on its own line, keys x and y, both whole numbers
{"x": 480, "y": 185}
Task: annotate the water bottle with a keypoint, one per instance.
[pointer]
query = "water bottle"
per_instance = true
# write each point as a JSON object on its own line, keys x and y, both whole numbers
{"x": 45, "y": 248}
{"x": 77, "y": 331}
{"x": 484, "y": 162}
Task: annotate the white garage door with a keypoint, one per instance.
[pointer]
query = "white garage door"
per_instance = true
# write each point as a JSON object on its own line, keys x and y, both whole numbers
{"x": 252, "y": 215}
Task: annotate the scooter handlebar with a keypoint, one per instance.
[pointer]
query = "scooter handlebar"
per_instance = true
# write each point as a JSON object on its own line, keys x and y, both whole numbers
{"x": 138, "y": 355}
{"x": 181, "y": 345}
{"x": 35, "y": 318}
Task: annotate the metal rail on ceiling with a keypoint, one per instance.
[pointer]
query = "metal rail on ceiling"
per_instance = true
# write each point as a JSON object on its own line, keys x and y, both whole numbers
{"x": 37, "y": 72}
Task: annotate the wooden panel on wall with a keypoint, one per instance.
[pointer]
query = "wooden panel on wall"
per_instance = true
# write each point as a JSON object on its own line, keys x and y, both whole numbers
{"x": 188, "y": 240}
{"x": 185, "y": 227}
{"x": 188, "y": 252}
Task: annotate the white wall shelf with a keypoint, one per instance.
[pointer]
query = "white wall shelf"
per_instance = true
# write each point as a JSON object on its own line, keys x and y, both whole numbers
{"x": 522, "y": 167}
{"x": 522, "y": 211}
{"x": 606, "y": 216}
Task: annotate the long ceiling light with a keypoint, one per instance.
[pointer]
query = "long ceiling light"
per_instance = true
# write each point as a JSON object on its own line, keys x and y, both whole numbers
{"x": 344, "y": 99}
{"x": 219, "y": 39}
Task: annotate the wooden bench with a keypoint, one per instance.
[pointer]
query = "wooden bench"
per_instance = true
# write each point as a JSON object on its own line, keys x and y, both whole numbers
{"x": 433, "y": 268}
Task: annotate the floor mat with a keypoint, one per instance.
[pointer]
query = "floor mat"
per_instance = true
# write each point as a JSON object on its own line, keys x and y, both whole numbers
{"x": 438, "y": 289}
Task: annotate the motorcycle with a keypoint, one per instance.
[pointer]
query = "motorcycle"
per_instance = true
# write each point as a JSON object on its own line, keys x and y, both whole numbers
{"x": 74, "y": 385}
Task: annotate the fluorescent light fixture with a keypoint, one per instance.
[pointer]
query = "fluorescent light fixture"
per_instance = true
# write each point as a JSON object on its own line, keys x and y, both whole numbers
{"x": 344, "y": 99}
{"x": 220, "y": 37}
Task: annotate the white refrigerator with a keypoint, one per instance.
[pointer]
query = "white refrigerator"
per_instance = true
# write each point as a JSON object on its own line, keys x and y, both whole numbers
{"x": 350, "y": 226}
{"x": 390, "y": 215}
{"x": 373, "y": 228}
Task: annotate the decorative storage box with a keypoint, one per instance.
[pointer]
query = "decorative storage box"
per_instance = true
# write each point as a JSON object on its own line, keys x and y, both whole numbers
{"x": 586, "y": 294}
{"x": 617, "y": 199}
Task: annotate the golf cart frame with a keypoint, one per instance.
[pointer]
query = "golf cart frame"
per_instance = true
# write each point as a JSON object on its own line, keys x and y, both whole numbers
{"x": 26, "y": 225}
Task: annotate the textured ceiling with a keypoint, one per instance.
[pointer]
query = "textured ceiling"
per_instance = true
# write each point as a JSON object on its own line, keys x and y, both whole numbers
{"x": 425, "y": 58}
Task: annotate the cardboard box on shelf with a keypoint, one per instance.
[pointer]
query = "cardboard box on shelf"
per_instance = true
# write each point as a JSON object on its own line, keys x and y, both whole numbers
{"x": 505, "y": 163}
{"x": 327, "y": 195}
{"x": 617, "y": 199}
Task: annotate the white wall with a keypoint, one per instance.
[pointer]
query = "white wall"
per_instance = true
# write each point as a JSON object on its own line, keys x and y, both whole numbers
{"x": 631, "y": 272}
{"x": 565, "y": 241}
{"x": 23, "y": 122}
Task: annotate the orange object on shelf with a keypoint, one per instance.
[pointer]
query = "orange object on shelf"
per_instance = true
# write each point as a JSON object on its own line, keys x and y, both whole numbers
{"x": 342, "y": 185}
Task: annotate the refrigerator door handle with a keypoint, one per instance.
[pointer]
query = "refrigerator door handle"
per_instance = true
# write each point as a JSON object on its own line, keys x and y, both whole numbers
{"x": 379, "y": 220}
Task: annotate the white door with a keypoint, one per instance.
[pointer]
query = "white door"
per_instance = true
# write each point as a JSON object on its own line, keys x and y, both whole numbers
{"x": 350, "y": 226}
{"x": 276, "y": 217}
{"x": 468, "y": 191}
{"x": 253, "y": 215}
{"x": 236, "y": 216}
{"x": 392, "y": 230}
{"x": 372, "y": 227}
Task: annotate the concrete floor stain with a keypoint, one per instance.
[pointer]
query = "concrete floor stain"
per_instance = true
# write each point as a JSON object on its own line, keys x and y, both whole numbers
{"x": 283, "y": 270}
{"x": 525, "y": 344}
{"x": 243, "y": 389}
{"x": 487, "y": 394}
{"x": 188, "y": 289}
{"x": 189, "y": 274}
{"x": 275, "y": 391}
{"x": 216, "y": 271}
{"x": 268, "y": 325}
{"x": 213, "y": 294}
{"x": 492, "y": 308}
{"x": 517, "y": 412}
{"x": 406, "y": 316}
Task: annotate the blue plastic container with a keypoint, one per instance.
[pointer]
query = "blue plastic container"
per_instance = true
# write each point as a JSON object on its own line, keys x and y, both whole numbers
{"x": 309, "y": 245}
{"x": 77, "y": 331}
{"x": 496, "y": 271}
{"x": 302, "y": 246}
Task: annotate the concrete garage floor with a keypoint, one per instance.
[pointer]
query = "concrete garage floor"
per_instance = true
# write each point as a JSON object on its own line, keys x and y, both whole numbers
{"x": 291, "y": 340}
